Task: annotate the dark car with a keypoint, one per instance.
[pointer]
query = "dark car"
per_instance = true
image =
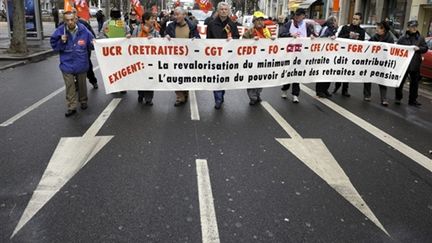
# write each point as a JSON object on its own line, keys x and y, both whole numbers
{"x": 426, "y": 66}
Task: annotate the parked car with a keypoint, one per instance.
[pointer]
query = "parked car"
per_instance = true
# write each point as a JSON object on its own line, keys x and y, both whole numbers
{"x": 426, "y": 66}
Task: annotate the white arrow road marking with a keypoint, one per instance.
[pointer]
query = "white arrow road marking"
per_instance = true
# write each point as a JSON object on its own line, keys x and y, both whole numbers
{"x": 209, "y": 228}
{"x": 314, "y": 153}
{"x": 194, "y": 106}
{"x": 13, "y": 119}
{"x": 69, "y": 157}
{"x": 381, "y": 135}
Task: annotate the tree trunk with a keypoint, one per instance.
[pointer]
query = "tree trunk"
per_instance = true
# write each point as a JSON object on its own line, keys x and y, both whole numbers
{"x": 18, "y": 42}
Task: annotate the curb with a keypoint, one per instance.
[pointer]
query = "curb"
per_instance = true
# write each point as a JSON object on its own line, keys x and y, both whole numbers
{"x": 35, "y": 57}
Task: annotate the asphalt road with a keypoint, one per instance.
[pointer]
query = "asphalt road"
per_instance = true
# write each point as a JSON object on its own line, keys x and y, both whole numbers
{"x": 147, "y": 183}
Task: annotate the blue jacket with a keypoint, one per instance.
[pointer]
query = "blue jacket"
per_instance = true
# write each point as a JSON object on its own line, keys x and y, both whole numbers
{"x": 193, "y": 31}
{"x": 74, "y": 53}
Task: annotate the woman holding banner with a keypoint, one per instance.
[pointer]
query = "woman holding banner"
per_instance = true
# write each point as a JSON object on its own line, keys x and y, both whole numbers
{"x": 146, "y": 30}
{"x": 257, "y": 32}
{"x": 382, "y": 35}
{"x": 329, "y": 30}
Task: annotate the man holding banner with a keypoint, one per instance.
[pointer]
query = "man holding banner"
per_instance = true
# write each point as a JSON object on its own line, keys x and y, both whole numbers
{"x": 412, "y": 38}
{"x": 222, "y": 27}
{"x": 182, "y": 27}
{"x": 355, "y": 32}
{"x": 296, "y": 28}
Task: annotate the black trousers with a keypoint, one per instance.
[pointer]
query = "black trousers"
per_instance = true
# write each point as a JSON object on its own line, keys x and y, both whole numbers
{"x": 295, "y": 88}
{"x": 413, "y": 88}
{"x": 344, "y": 87}
{"x": 90, "y": 74}
{"x": 322, "y": 87}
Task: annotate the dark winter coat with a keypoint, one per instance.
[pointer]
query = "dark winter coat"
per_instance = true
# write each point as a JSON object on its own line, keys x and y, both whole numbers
{"x": 216, "y": 29}
{"x": 414, "y": 40}
{"x": 387, "y": 37}
{"x": 346, "y": 29}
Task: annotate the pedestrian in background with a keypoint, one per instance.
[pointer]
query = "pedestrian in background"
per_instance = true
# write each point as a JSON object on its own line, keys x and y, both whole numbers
{"x": 90, "y": 73}
{"x": 412, "y": 38}
{"x": 55, "y": 14}
{"x": 382, "y": 35}
{"x": 355, "y": 32}
{"x": 100, "y": 17}
{"x": 222, "y": 27}
{"x": 133, "y": 22}
{"x": 258, "y": 31}
{"x": 146, "y": 30}
{"x": 182, "y": 27}
{"x": 296, "y": 27}
{"x": 328, "y": 30}
{"x": 73, "y": 40}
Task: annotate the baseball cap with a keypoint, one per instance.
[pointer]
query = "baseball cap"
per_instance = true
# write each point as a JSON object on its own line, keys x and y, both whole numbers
{"x": 412, "y": 23}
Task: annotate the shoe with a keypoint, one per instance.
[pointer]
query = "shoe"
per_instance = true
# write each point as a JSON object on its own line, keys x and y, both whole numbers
{"x": 414, "y": 103}
{"x": 149, "y": 102}
{"x": 368, "y": 99}
{"x": 140, "y": 99}
{"x": 70, "y": 113}
{"x": 384, "y": 103}
{"x": 346, "y": 94}
{"x": 253, "y": 102}
{"x": 259, "y": 99}
{"x": 321, "y": 95}
{"x": 398, "y": 102}
{"x": 178, "y": 103}
{"x": 95, "y": 85}
{"x": 123, "y": 92}
{"x": 327, "y": 94}
{"x": 218, "y": 106}
{"x": 284, "y": 94}
{"x": 84, "y": 106}
{"x": 295, "y": 99}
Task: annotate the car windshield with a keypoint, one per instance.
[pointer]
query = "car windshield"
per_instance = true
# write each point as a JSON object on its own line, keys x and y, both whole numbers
{"x": 429, "y": 43}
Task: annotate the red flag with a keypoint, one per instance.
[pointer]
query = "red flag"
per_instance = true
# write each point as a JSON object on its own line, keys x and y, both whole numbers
{"x": 82, "y": 8}
{"x": 204, "y": 5}
{"x": 177, "y": 3}
{"x": 68, "y": 5}
{"x": 136, "y": 5}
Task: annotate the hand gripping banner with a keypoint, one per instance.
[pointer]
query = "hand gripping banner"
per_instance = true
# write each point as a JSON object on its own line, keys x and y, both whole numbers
{"x": 196, "y": 64}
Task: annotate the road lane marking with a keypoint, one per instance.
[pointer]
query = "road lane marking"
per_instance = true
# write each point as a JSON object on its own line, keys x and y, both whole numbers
{"x": 31, "y": 108}
{"x": 103, "y": 117}
{"x": 209, "y": 228}
{"x": 34, "y": 106}
{"x": 69, "y": 157}
{"x": 383, "y": 136}
{"x": 194, "y": 106}
{"x": 315, "y": 155}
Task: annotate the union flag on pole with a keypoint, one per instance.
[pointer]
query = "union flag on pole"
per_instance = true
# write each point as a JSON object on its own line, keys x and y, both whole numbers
{"x": 68, "y": 5}
{"x": 204, "y": 5}
{"x": 83, "y": 10}
{"x": 136, "y": 5}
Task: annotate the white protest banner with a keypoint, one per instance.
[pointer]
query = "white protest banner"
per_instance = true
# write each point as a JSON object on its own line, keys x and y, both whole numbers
{"x": 186, "y": 64}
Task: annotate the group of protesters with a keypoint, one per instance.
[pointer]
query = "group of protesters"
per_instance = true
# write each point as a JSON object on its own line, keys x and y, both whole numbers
{"x": 74, "y": 41}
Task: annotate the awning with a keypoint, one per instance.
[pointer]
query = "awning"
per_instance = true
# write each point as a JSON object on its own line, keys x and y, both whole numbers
{"x": 306, "y": 4}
